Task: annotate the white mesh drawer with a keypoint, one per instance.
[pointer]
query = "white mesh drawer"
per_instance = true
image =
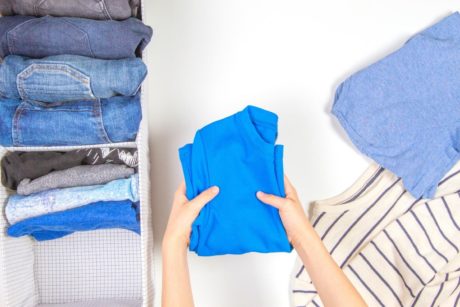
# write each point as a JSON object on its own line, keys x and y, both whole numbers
{"x": 96, "y": 268}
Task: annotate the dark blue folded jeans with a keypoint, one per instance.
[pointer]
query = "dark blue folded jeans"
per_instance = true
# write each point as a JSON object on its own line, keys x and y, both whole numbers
{"x": 87, "y": 122}
{"x": 40, "y": 37}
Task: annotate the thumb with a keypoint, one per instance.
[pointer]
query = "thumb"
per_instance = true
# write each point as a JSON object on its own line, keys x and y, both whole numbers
{"x": 201, "y": 200}
{"x": 272, "y": 200}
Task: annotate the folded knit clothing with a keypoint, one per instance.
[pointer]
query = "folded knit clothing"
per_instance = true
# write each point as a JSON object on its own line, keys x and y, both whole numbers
{"x": 18, "y": 165}
{"x": 82, "y": 175}
{"x": 98, "y": 215}
{"x": 238, "y": 154}
{"x": 21, "y": 207}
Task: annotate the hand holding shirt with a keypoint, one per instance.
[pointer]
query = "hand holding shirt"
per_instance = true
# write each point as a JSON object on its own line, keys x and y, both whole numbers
{"x": 238, "y": 154}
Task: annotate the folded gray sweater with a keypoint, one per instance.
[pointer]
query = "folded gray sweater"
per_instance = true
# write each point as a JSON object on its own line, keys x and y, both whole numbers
{"x": 82, "y": 175}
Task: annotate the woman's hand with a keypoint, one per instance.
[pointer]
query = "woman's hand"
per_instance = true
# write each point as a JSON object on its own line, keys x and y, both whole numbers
{"x": 334, "y": 288}
{"x": 183, "y": 213}
{"x": 176, "y": 281}
{"x": 292, "y": 214}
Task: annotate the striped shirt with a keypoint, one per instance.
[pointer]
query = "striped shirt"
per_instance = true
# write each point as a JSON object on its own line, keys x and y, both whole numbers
{"x": 396, "y": 250}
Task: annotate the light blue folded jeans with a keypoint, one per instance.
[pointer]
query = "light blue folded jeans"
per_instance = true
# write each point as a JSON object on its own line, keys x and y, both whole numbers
{"x": 69, "y": 77}
{"x": 84, "y": 122}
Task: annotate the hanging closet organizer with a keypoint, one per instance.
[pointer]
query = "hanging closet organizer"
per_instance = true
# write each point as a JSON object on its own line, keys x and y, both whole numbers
{"x": 112, "y": 268}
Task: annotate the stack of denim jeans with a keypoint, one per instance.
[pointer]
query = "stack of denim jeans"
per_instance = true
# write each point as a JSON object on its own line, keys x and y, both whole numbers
{"x": 70, "y": 74}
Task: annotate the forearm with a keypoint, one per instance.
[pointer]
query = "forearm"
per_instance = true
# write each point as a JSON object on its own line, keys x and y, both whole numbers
{"x": 177, "y": 290}
{"x": 332, "y": 285}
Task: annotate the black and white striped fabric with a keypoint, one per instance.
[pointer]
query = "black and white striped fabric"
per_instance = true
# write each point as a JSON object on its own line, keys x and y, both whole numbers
{"x": 396, "y": 250}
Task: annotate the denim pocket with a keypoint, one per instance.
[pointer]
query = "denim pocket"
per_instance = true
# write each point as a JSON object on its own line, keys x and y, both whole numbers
{"x": 53, "y": 82}
{"x": 71, "y": 123}
{"x": 41, "y": 37}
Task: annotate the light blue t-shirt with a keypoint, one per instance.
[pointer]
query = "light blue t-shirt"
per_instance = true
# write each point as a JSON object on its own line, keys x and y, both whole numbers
{"x": 404, "y": 110}
{"x": 238, "y": 154}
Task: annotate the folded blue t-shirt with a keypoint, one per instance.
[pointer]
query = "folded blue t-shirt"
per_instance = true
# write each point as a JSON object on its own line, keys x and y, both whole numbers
{"x": 238, "y": 154}
{"x": 404, "y": 110}
{"x": 99, "y": 215}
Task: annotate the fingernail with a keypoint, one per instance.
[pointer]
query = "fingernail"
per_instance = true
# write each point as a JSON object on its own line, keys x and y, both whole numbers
{"x": 260, "y": 194}
{"x": 215, "y": 189}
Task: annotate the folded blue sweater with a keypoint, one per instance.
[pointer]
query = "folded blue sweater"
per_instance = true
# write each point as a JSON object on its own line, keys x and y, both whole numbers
{"x": 98, "y": 215}
{"x": 238, "y": 154}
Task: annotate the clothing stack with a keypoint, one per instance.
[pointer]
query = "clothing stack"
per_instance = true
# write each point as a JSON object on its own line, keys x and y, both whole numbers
{"x": 72, "y": 76}
{"x": 396, "y": 231}
{"x": 59, "y": 193}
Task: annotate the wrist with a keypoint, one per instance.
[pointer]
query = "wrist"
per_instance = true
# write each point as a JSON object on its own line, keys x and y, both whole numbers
{"x": 300, "y": 239}
{"x": 309, "y": 246}
{"x": 174, "y": 243}
{"x": 305, "y": 237}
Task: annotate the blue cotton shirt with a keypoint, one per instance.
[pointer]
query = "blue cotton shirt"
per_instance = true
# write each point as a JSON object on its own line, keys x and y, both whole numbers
{"x": 98, "y": 215}
{"x": 404, "y": 110}
{"x": 238, "y": 154}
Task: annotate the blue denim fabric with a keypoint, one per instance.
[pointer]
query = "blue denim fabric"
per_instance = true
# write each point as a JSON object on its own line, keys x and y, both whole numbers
{"x": 69, "y": 77}
{"x": 86, "y": 122}
{"x": 92, "y": 9}
{"x": 20, "y": 207}
{"x": 40, "y": 37}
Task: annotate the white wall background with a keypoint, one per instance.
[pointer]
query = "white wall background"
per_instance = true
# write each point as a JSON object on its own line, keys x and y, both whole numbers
{"x": 210, "y": 58}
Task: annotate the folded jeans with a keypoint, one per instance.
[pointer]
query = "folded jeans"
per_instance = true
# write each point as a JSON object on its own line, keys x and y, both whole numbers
{"x": 85, "y": 122}
{"x": 38, "y": 37}
{"x": 92, "y": 9}
{"x": 69, "y": 77}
